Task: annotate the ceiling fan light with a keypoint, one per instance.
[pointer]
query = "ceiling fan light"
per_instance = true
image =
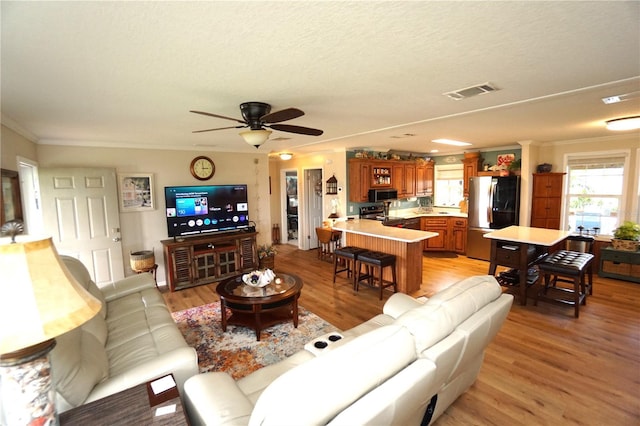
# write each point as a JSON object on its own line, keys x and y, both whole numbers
{"x": 255, "y": 137}
{"x": 625, "y": 123}
{"x": 286, "y": 156}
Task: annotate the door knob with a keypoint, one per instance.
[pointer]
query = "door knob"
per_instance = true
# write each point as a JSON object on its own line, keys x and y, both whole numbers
{"x": 116, "y": 239}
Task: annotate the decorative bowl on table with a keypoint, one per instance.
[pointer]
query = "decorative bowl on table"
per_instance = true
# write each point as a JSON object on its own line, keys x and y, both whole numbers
{"x": 258, "y": 278}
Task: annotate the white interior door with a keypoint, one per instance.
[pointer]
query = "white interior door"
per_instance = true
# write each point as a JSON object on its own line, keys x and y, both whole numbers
{"x": 313, "y": 205}
{"x": 80, "y": 207}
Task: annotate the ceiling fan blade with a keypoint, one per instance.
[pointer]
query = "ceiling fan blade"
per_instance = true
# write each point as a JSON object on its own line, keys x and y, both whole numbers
{"x": 296, "y": 129}
{"x": 217, "y": 116}
{"x": 219, "y": 128}
{"x": 282, "y": 115}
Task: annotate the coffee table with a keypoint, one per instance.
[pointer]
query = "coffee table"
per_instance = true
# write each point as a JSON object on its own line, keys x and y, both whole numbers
{"x": 258, "y": 308}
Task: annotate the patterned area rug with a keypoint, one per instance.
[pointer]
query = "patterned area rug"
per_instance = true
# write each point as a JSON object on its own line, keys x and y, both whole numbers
{"x": 237, "y": 351}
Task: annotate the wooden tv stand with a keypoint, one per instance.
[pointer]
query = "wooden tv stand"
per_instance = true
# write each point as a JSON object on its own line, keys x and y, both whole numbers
{"x": 206, "y": 259}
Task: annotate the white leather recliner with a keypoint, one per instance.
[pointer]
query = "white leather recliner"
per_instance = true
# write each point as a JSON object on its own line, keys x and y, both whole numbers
{"x": 404, "y": 366}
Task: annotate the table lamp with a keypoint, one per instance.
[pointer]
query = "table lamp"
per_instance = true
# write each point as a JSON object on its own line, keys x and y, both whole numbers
{"x": 40, "y": 300}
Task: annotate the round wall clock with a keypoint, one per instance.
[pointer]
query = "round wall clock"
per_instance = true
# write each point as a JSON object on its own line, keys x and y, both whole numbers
{"x": 202, "y": 168}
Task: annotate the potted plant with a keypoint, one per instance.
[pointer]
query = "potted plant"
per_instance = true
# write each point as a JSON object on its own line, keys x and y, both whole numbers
{"x": 627, "y": 236}
{"x": 266, "y": 256}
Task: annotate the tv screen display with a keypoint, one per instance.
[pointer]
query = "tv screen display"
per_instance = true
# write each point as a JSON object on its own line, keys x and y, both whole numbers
{"x": 202, "y": 209}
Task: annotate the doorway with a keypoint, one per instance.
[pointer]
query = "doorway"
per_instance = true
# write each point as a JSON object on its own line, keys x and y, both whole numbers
{"x": 313, "y": 205}
{"x": 291, "y": 202}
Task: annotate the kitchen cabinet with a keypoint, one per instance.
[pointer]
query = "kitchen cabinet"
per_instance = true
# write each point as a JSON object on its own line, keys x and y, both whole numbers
{"x": 409, "y": 178}
{"x": 206, "y": 259}
{"x": 439, "y": 225}
{"x": 546, "y": 203}
{"x": 381, "y": 176}
{"x": 470, "y": 168}
{"x": 459, "y": 233}
{"x": 359, "y": 175}
{"x": 452, "y": 234}
{"x": 367, "y": 174}
{"x": 424, "y": 179}
{"x": 404, "y": 179}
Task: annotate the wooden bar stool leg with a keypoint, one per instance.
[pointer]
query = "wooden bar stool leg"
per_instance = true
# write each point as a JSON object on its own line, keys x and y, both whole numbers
{"x": 380, "y": 269}
{"x": 576, "y": 296}
{"x": 395, "y": 281}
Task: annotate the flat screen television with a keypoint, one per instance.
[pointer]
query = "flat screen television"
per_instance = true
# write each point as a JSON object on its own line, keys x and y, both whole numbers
{"x": 205, "y": 209}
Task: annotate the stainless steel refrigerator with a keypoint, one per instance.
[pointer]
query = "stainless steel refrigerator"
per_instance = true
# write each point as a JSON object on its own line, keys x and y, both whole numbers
{"x": 494, "y": 203}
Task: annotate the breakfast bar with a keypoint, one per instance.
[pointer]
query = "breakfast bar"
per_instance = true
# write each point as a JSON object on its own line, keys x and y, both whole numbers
{"x": 405, "y": 244}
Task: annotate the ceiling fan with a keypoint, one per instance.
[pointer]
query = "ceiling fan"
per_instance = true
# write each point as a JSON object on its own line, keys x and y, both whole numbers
{"x": 256, "y": 116}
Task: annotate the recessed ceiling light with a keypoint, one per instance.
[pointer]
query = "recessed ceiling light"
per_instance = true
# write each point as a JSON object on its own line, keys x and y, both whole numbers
{"x": 451, "y": 142}
{"x": 625, "y": 123}
{"x": 433, "y": 151}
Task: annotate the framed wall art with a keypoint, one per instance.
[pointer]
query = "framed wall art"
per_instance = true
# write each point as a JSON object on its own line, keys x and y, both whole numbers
{"x": 136, "y": 192}
{"x": 505, "y": 160}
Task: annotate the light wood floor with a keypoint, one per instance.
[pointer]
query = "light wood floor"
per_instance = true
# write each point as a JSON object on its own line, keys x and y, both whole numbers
{"x": 544, "y": 367}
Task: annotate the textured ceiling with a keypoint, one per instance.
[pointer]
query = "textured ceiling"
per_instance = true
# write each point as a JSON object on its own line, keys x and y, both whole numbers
{"x": 367, "y": 73}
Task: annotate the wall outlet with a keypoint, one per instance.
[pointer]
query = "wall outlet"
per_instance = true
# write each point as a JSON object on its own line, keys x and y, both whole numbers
{"x": 350, "y": 209}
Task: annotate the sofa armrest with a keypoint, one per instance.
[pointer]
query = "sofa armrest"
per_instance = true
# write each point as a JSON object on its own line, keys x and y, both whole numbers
{"x": 126, "y": 286}
{"x": 398, "y": 304}
{"x": 182, "y": 362}
{"x": 216, "y": 399}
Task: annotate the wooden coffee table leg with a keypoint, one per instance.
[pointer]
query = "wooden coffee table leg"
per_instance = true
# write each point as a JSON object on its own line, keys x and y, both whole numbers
{"x": 295, "y": 312}
{"x": 223, "y": 314}
{"x": 258, "y": 324}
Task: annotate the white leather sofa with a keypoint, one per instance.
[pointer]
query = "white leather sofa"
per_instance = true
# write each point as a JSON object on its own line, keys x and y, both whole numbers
{"x": 132, "y": 340}
{"x": 404, "y": 366}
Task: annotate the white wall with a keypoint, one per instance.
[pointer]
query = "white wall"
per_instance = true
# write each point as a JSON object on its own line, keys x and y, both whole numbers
{"x": 145, "y": 230}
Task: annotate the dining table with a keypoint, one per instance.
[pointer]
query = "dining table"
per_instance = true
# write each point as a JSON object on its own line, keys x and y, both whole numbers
{"x": 521, "y": 247}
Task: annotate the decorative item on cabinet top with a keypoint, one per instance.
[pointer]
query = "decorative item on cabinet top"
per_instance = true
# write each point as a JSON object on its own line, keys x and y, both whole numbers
{"x": 543, "y": 168}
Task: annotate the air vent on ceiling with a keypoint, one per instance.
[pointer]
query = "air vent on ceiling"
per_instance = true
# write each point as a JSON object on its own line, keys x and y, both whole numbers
{"x": 471, "y": 91}
{"x": 621, "y": 98}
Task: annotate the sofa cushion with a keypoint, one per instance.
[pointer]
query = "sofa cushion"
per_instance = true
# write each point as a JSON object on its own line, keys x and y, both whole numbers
{"x": 437, "y": 318}
{"x": 79, "y": 362}
{"x": 81, "y": 274}
{"x": 335, "y": 380}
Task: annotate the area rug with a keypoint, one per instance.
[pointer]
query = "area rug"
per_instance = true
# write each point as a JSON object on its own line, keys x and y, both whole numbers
{"x": 237, "y": 351}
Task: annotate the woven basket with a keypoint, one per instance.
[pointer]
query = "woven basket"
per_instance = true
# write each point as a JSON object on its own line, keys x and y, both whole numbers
{"x": 268, "y": 262}
{"x": 625, "y": 245}
{"x": 142, "y": 260}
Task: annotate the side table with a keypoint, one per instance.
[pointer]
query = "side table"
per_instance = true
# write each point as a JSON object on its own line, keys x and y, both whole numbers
{"x": 138, "y": 405}
{"x": 620, "y": 264}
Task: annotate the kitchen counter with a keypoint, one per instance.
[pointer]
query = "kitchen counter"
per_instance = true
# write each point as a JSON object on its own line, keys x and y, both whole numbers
{"x": 405, "y": 244}
{"x": 375, "y": 228}
{"x": 409, "y": 213}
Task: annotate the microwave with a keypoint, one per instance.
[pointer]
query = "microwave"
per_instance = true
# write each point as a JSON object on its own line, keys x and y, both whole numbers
{"x": 376, "y": 195}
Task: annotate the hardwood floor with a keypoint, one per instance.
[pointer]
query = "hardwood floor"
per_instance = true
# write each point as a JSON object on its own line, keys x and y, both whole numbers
{"x": 543, "y": 368}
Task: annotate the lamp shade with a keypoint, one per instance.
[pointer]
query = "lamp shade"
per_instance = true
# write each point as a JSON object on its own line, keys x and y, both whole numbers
{"x": 40, "y": 298}
{"x": 255, "y": 137}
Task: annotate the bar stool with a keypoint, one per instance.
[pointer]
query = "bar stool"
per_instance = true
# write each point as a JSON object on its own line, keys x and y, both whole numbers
{"x": 374, "y": 263}
{"x": 348, "y": 256}
{"x": 570, "y": 264}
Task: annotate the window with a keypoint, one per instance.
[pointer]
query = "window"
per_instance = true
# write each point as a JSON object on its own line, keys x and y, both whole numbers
{"x": 595, "y": 190}
{"x": 448, "y": 185}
